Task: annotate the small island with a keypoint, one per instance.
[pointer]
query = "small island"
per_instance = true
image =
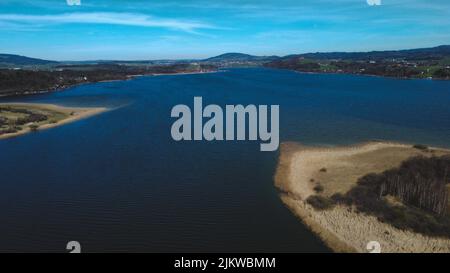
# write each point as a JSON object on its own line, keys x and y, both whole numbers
{"x": 21, "y": 118}
{"x": 391, "y": 193}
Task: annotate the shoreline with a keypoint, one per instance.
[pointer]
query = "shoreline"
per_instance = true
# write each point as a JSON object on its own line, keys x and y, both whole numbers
{"x": 127, "y": 78}
{"x": 342, "y": 228}
{"x": 74, "y": 114}
{"x": 358, "y": 74}
{"x": 181, "y": 73}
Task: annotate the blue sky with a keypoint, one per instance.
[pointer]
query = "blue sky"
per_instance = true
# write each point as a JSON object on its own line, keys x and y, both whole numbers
{"x": 168, "y": 29}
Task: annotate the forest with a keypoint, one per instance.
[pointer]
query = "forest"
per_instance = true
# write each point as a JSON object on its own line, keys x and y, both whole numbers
{"x": 21, "y": 81}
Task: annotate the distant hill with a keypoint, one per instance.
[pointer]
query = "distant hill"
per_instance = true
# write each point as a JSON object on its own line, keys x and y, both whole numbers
{"x": 433, "y": 53}
{"x": 431, "y": 63}
{"x": 240, "y": 57}
{"x": 10, "y": 59}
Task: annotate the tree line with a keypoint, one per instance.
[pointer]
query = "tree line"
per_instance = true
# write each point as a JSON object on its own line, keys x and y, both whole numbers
{"x": 420, "y": 185}
{"x": 18, "y": 82}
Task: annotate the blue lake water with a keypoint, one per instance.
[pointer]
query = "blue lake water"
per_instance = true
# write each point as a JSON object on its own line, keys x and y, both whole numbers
{"x": 118, "y": 182}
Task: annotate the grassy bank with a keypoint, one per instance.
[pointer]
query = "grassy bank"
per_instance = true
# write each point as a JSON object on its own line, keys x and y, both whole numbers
{"x": 20, "y": 118}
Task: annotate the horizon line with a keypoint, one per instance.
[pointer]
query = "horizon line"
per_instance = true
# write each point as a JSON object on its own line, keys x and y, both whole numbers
{"x": 200, "y": 59}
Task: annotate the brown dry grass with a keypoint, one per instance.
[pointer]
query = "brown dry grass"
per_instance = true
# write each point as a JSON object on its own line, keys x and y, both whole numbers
{"x": 342, "y": 228}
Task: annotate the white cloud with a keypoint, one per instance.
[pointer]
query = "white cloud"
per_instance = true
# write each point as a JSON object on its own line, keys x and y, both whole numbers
{"x": 374, "y": 2}
{"x": 111, "y": 18}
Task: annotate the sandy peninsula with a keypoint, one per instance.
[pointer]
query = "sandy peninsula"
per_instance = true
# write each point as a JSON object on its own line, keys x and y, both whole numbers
{"x": 342, "y": 228}
{"x": 56, "y": 116}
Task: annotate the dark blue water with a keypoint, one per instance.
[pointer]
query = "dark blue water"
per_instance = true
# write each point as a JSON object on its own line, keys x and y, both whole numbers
{"x": 118, "y": 182}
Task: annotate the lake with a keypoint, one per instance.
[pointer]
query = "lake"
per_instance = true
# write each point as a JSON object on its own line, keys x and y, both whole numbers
{"x": 118, "y": 182}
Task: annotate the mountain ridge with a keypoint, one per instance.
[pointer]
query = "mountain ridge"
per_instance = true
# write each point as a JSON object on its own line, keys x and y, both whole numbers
{"x": 13, "y": 59}
{"x": 416, "y": 53}
{"x": 235, "y": 56}
{"x": 437, "y": 52}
